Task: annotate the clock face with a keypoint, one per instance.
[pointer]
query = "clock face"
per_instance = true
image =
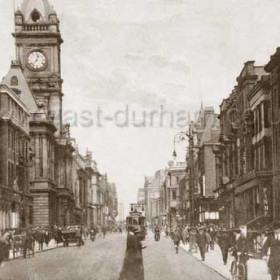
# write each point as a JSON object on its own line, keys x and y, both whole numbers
{"x": 37, "y": 60}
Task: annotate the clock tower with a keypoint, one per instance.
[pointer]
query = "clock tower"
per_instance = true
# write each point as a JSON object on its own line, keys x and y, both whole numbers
{"x": 38, "y": 49}
{"x": 38, "y": 40}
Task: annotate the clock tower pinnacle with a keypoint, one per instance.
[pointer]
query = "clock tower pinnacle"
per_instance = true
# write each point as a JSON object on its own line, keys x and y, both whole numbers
{"x": 38, "y": 49}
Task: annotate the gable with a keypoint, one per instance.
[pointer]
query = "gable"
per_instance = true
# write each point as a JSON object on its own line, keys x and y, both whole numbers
{"x": 16, "y": 81}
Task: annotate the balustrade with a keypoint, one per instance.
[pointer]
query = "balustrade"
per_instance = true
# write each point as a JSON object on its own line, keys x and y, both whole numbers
{"x": 34, "y": 28}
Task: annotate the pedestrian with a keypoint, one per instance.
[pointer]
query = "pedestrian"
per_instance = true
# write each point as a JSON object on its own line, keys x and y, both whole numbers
{"x": 201, "y": 241}
{"x": 6, "y": 244}
{"x": 28, "y": 244}
{"x": 133, "y": 242}
{"x": 208, "y": 237}
{"x": 240, "y": 246}
{"x": 157, "y": 233}
{"x": 176, "y": 236}
{"x": 34, "y": 237}
{"x": 166, "y": 231}
{"x": 224, "y": 241}
{"x": 273, "y": 243}
{"x": 104, "y": 231}
{"x": 41, "y": 239}
{"x": 192, "y": 240}
{"x": 86, "y": 232}
{"x": 47, "y": 237}
{"x": 133, "y": 267}
{"x": 2, "y": 246}
{"x": 120, "y": 229}
{"x": 213, "y": 235}
{"x": 186, "y": 234}
{"x": 79, "y": 237}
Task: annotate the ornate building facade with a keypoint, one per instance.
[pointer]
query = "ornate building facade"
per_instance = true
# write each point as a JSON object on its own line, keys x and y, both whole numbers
{"x": 16, "y": 203}
{"x": 44, "y": 180}
{"x": 272, "y": 68}
{"x": 38, "y": 40}
{"x": 207, "y": 132}
{"x": 245, "y": 154}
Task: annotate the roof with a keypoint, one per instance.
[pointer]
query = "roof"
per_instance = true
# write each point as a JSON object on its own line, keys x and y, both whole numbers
{"x": 25, "y": 94}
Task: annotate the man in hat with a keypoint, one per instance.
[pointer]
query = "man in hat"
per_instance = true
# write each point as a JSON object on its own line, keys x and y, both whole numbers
{"x": 201, "y": 241}
{"x": 176, "y": 236}
{"x": 273, "y": 242}
{"x": 240, "y": 245}
{"x": 224, "y": 241}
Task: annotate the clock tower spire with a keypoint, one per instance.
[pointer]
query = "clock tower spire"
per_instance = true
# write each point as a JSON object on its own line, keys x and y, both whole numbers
{"x": 38, "y": 48}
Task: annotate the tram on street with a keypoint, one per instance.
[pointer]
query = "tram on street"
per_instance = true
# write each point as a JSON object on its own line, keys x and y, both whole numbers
{"x": 136, "y": 222}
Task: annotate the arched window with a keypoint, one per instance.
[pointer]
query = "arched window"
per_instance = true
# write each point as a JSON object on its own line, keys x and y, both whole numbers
{"x": 14, "y": 81}
{"x": 35, "y": 15}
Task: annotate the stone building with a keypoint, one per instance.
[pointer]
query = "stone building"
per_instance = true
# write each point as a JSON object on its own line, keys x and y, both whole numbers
{"x": 93, "y": 184}
{"x": 121, "y": 215}
{"x": 16, "y": 203}
{"x": 111, "y": 202}
{"x": 184, "y": 198}
{"x": 44, "y": 169}
{"x": 38, "y": 55}
{"x": 273, "y": 85}
{"x": 245, "y": 151}
{"x": 175, "y": 174}
{"x": 141, "y": 196}
{"x": 42, "y": 146}
{"x": 80, "y": 188}
{"x": 152, "y": 188}
{"x": 207, "y": 130}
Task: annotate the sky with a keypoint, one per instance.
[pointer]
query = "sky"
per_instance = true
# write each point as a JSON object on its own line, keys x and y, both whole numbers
{"x": 135, "y": 72}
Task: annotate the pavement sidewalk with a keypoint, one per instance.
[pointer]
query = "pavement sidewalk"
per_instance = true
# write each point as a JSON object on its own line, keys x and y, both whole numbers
{"x": 257, "y": 269}
{"x": 52, "y": 245}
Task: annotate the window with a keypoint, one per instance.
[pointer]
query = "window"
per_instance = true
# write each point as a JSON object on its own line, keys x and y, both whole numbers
{"x": 260, "y": 118}
{"x": 35, "y": 15}
{"x": 174, "y": 195}
{"x": 14, "y": 81}
{"x": 30, "y": 215}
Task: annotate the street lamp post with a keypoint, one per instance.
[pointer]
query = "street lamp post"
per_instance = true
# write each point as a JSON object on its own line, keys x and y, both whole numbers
{"x": 190, "y": 167}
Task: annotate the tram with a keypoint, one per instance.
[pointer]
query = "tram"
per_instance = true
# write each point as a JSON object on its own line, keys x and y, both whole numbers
{"x": 136, "y": 222}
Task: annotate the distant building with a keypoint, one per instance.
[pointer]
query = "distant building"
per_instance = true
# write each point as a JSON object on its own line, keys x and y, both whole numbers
{"x": 207, "y": 134}
{"x": 175, "y": 174}
{"x": 121, "y": 216}
{"x": 141, "y": 195}
{"x": 152, "y": 191}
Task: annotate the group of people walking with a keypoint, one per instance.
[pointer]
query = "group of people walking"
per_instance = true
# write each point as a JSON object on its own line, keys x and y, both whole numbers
{"x": 230, "y": 241}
